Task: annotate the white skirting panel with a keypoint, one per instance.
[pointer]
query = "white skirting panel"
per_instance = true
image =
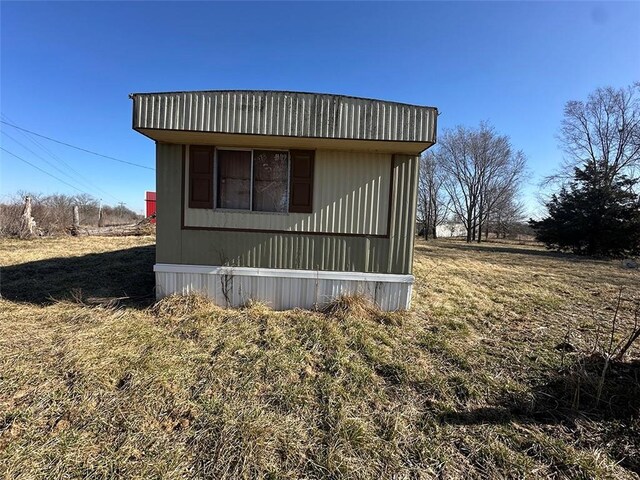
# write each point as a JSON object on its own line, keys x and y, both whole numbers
{"x": 282, "y": 289}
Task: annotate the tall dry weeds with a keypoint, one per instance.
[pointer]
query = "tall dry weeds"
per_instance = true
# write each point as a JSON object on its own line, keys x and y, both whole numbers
{"x": 461, "y": 387}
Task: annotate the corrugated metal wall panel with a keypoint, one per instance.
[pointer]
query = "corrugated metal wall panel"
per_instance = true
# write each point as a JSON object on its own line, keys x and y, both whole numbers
{"x": 275, "y": 250}
{"x": 281, "y": 293}
{"x": 284, "y": 250}
{"x": 285, "y": 114}
{"x": 403, "y": 213}
{"x": 168, "y": 189}
{"x": 350, "y": 195}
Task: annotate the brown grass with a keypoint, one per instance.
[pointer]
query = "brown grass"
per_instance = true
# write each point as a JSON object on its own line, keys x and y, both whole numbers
{"x": 468, "y": 384}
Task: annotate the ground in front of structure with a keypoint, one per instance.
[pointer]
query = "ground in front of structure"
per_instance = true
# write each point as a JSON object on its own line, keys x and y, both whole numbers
{"x": 490, "y": 374}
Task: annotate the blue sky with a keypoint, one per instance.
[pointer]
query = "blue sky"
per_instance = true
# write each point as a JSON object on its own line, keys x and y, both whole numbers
{"x": 67, "y": 70}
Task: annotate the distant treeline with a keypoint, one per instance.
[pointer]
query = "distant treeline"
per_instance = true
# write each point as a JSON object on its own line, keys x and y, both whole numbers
{"x": 53, "y": 214}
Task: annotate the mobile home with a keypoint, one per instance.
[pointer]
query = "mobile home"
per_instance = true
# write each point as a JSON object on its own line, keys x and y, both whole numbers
{"x": 286, "y": 198}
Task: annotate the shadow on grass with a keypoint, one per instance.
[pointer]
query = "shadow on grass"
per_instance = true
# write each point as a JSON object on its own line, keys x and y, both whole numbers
{"x": 123, "y": 277}
{"x": 569, "y": 397}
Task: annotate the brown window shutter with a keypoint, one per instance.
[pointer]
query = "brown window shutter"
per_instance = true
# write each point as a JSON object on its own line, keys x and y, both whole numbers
{"x": 301, "y": 183}
{"x": 201, "y": 176}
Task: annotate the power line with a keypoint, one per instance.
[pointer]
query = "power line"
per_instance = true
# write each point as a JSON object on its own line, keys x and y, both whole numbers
{"x": 43, "y": 171}
{"x": 77, "y": 148}
{"x": 33, "y": 140}
{"x": 44, "y": 160}
{"x": 81, "y": 179}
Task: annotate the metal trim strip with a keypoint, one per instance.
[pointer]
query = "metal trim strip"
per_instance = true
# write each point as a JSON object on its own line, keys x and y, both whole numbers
{"x": 287, "y": 273}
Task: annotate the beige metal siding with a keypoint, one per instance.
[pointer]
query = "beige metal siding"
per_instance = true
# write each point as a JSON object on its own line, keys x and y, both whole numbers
{"x": 284, "y": 250}
{"x": 350, "y": 195}
{"x": 285, "y": 114}
{"x": 403, "y": 213}
{"x": 168, "y": 188}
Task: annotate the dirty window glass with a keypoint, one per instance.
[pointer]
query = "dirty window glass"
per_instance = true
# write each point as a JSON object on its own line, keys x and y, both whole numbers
{"x": 234, "y": 179}
{"x": 270, "y": 181}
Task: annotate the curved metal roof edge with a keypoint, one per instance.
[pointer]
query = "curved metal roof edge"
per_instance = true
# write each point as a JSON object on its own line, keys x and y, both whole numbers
{"x": 285, "y": 91}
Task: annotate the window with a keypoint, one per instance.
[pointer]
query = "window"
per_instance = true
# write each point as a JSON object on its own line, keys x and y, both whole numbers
{"x": 270, "y": 177}
{"x": 254, "y": 180}
{"x": 234, "y": 179}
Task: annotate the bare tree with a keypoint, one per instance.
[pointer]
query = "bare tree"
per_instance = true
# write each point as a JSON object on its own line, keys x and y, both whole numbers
{"x": 603, "y": 132}
{"x": 508, "y": 218}
{"x": 88, "y": 206}
{"x": 460, "y": 181}
{"x": 58, "y": 210}
{"x": 481, "y": 171}
{"x": 499, "y": 192}
{"x": 432, "y": 201}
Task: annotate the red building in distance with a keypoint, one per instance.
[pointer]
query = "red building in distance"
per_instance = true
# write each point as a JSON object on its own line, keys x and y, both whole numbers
{"x": 150, "y": 202}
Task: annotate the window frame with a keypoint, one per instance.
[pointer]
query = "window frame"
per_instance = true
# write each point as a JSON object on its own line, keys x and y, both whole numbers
{"x": 251, "y": 179}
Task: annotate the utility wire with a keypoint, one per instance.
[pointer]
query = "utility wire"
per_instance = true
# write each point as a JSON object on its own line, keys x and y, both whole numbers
{"x": 71, "y": 179}
{"x": 77, "y": 148}
{"x": 81, "y": 179}
{"x": 43, "y": 171}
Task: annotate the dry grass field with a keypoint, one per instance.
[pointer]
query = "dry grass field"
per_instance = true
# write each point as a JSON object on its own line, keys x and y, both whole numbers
{"x": 494, "y": 373}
